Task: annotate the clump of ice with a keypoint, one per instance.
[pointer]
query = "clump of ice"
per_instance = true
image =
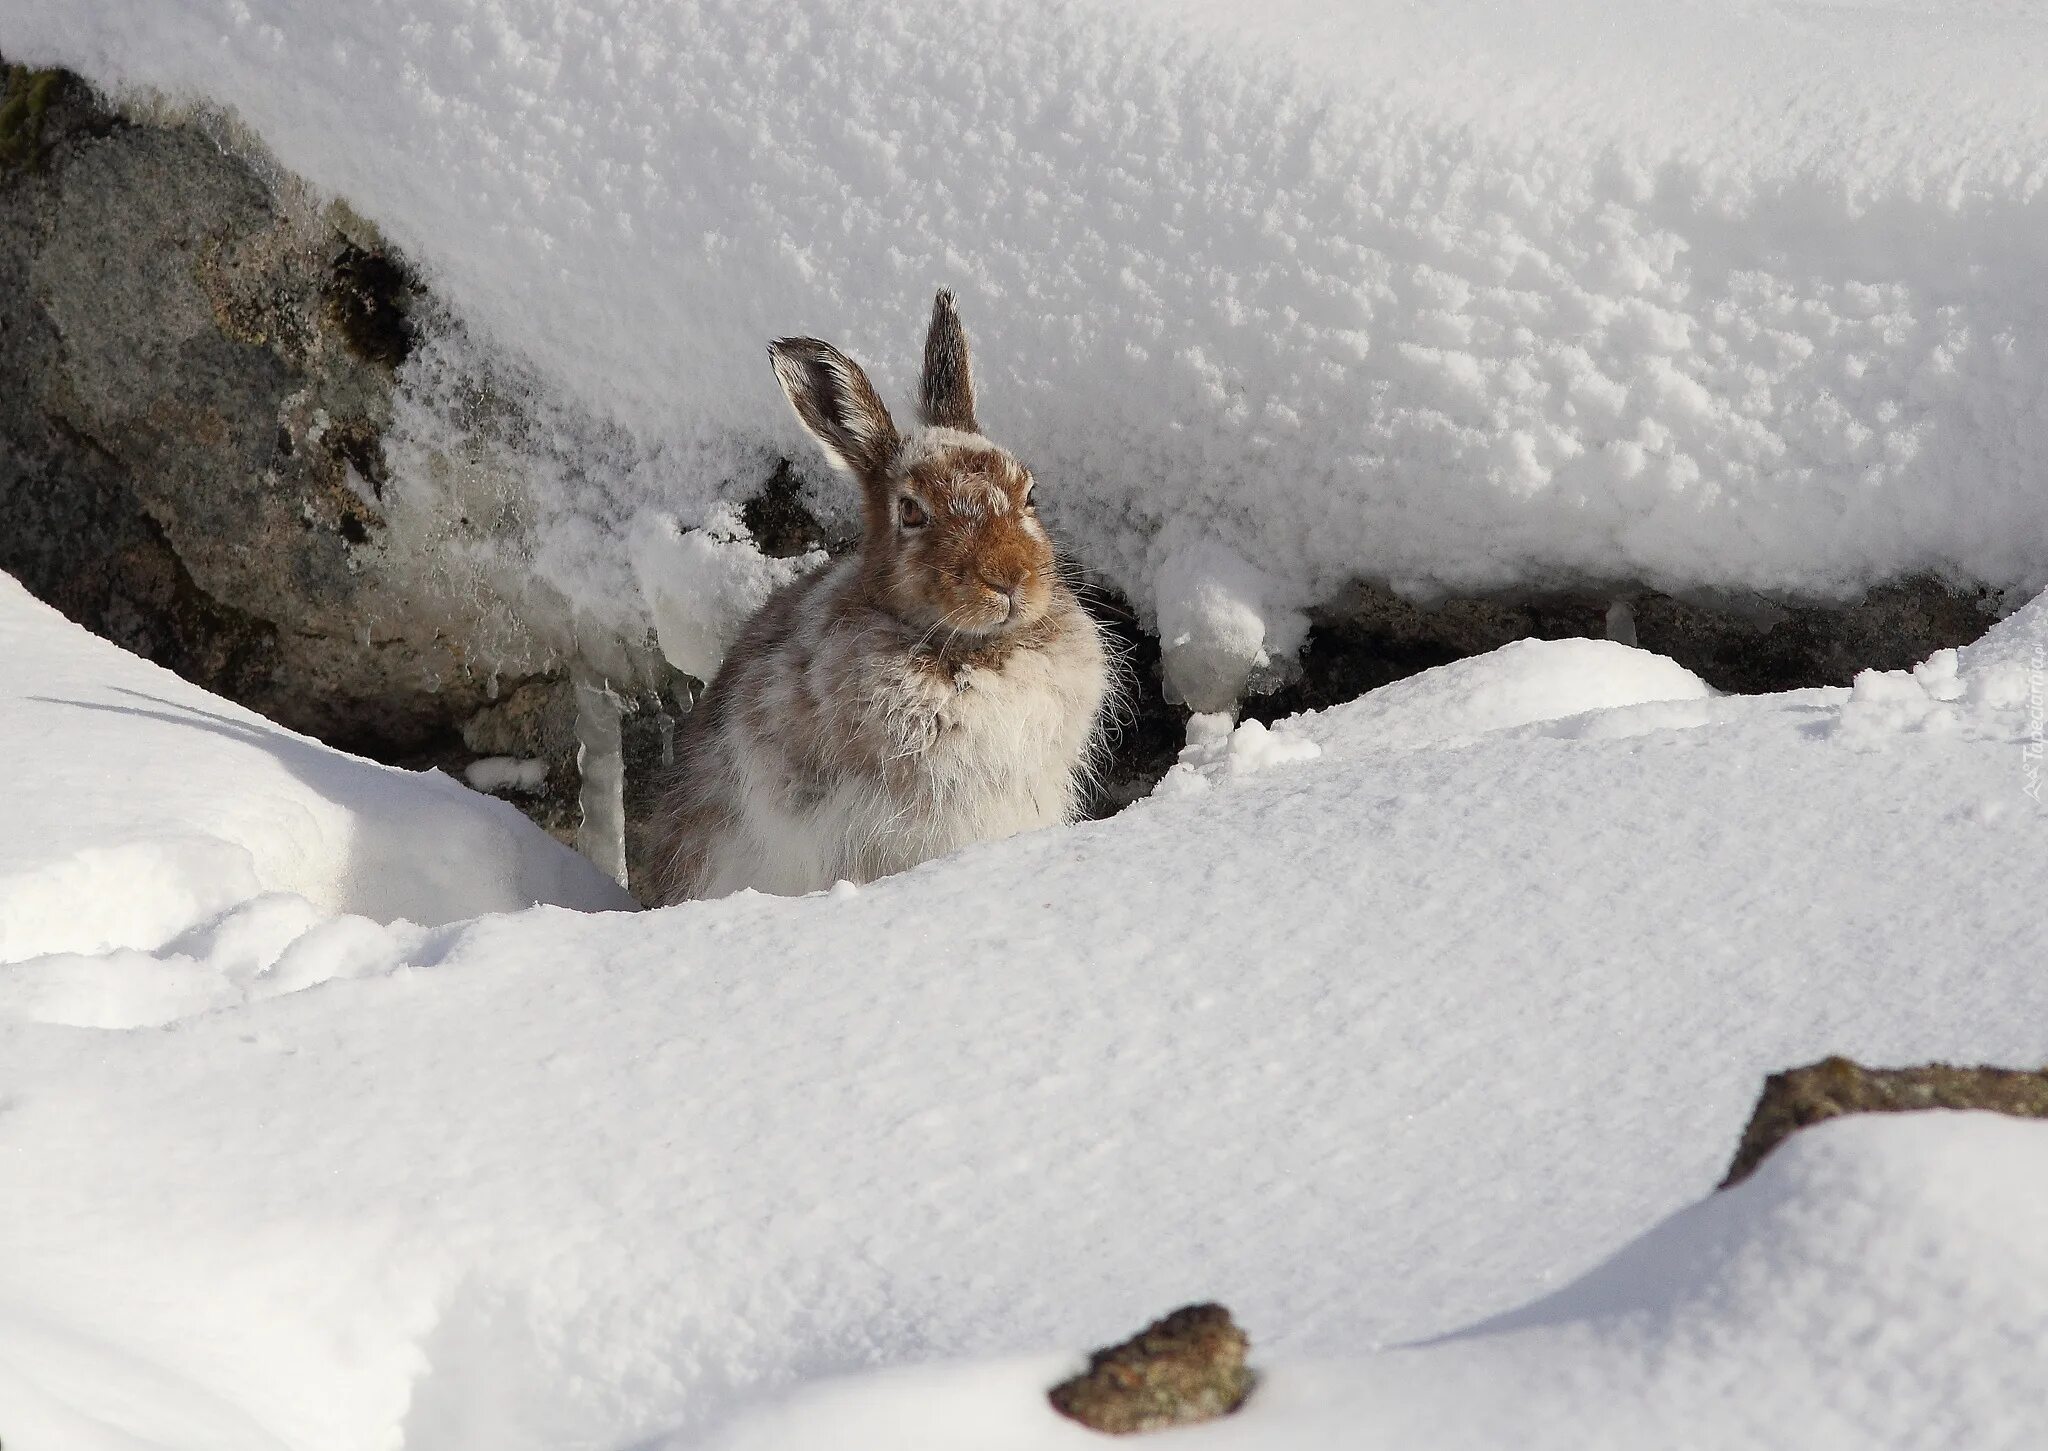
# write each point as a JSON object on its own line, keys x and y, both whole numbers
{"x": 601, "y": 774}
{"x": 1997, "y": 688}
{"x": 1221, "y": 749}
{"x": 506, "y": 773}
{"x": 701, "y": 585}
{"x": 1221, "y": 622}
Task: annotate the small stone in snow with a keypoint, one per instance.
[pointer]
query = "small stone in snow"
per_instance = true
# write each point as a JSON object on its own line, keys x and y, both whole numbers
{"x": 1186, "y": 1368}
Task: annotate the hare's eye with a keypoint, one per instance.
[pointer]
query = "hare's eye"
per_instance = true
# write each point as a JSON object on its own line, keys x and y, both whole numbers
{"x": 1029, "y": 489}
{"x": 910, "y": 513}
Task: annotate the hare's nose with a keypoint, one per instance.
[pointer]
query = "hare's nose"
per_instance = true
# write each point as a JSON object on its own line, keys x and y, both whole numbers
{"x": 1006, "y": 588}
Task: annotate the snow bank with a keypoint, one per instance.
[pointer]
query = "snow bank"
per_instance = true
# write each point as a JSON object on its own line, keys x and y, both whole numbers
{"x": 1367, "y": 1043}
{"x": 1728, "y": 297}
{"x": 145, "y": 814}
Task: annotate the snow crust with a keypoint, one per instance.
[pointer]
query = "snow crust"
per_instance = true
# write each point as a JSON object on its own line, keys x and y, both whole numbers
{"x": 1372, "y": 1043}
{"x": 1718, "y": 296}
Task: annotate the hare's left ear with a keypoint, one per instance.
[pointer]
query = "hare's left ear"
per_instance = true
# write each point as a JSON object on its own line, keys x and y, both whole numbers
{"x": 834, "y": 400}
{"x": 945, "y": 398}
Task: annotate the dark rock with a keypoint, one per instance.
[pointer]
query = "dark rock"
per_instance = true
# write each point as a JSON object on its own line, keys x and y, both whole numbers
{"x": 782, "y": 524}
{"x": 369, "y": 301}
{"x": 1186, "y": 1368}
{"x": 1801, "y": 1097}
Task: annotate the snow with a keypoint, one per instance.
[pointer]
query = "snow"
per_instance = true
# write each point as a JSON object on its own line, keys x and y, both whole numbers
{"x": 1720, "y": 297}
{"x": 147, "y": 815}
{"x": 1373, "y": 1042}
{"x": 1875, "y": 1286}
{"x": 1526, "y": 682}
{"x": 1417, "y": 1030}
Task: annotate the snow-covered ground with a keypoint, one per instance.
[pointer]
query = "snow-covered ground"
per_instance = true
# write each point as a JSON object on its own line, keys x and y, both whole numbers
{"x": 1379, "y": 1023}
{"x": 1699, "y": 293}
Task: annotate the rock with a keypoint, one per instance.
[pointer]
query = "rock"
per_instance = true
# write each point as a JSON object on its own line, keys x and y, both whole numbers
{"x": 197, "y": 368}
{"x": 1186, "y": 1368}
{"x": 1800, "y": 1097}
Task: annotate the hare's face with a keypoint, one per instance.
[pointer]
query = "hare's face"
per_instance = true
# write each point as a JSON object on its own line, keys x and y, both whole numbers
{"x": 952, "y": 541}
{"x": 964, "y": 550}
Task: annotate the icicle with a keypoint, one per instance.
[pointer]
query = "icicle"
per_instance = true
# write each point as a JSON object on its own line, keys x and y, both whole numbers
{"x": 666, "y": 724}
{"x": 1621, "y": 622}
{"x": 601, "y": 762}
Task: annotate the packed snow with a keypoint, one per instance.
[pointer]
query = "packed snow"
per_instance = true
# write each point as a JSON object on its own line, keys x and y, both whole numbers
{"x": 1724, "y": 296}
{"x": 1441, "y": 1003}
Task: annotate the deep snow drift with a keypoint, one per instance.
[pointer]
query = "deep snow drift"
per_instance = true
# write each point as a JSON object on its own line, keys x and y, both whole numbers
{"x": 1455, "y": 296}
{"x": 1406, "y": 1014}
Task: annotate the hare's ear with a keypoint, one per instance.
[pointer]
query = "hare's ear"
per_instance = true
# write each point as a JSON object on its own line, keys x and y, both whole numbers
{"x": 946, "y": 398}
{"x": 836, "y": 403}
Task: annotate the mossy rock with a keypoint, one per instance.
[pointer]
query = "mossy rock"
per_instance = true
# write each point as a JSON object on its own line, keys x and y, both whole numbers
{"x": 1186, "y": 1368}
{"x": 23, "y": 104}
{"x": 1801, "y": 1097}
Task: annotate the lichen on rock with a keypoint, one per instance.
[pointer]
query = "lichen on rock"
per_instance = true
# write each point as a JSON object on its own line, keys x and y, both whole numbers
{"x": 24, "y": 102}
{"x": 1186, "y": 1368}
{"x": 1801, "y": 1097}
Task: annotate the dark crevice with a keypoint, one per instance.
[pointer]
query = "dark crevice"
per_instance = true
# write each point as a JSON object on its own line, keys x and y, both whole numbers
{"x": 781, "y": 524}
{"x": 369, "y": 299}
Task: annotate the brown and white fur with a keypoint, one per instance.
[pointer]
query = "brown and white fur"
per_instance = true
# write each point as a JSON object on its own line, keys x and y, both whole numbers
{"x": 941, "y": 686}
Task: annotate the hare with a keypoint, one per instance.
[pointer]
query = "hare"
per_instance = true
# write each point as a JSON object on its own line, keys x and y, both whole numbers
{"x": 938, "y": 687}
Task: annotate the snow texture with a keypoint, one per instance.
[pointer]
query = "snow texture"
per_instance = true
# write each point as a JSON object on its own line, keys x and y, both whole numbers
{"x": 1872, "y": 1287}
{"x": 1713, "y": 296}
{"x": 1372, "y": 1042}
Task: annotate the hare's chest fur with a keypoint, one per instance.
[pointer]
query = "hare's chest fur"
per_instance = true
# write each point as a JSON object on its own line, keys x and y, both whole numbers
{"x": 854, "y": 757}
